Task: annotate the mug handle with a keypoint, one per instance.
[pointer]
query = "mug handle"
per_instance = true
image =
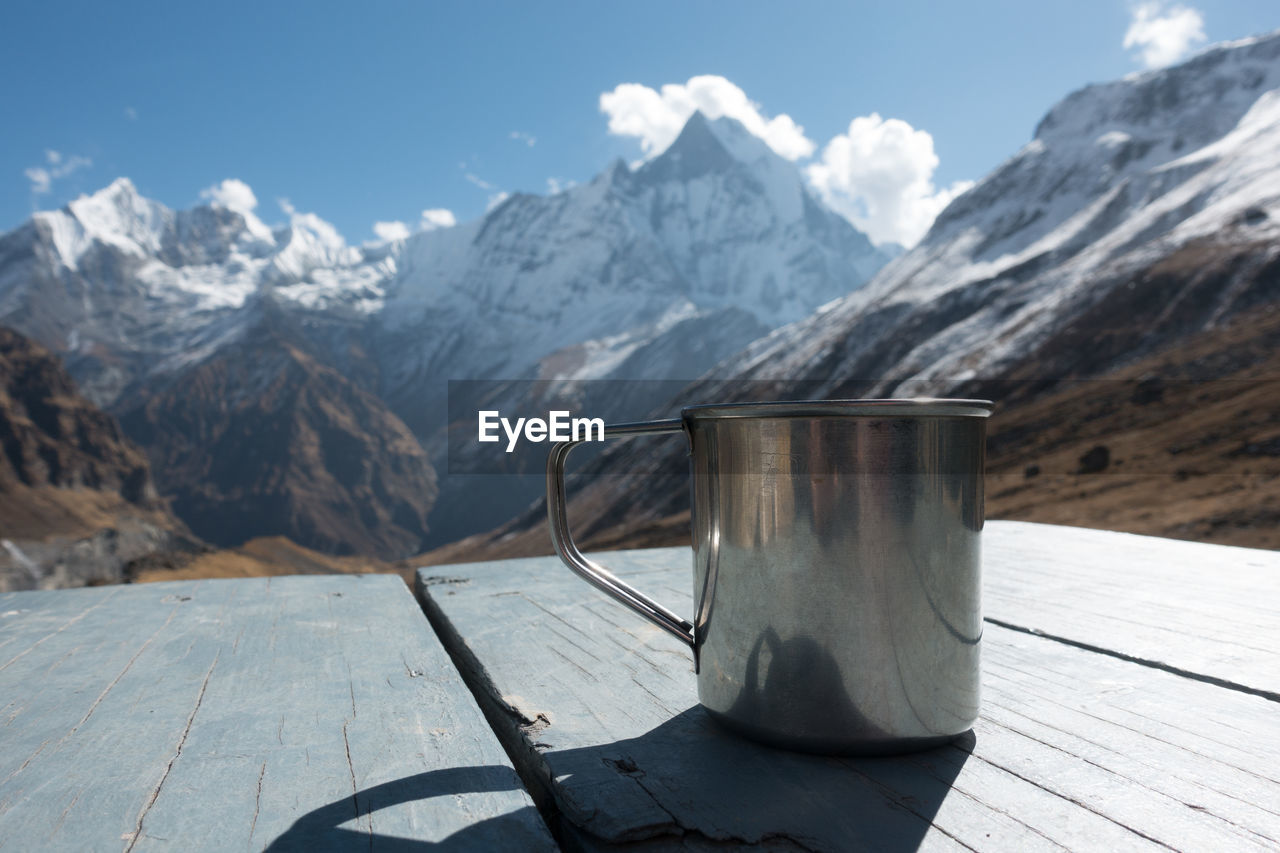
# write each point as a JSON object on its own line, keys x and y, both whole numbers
{"x": 589, "y": 570}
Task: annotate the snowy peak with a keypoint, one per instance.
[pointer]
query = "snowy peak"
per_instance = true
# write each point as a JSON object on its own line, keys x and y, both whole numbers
{"x": 118, "y": 218}
{"x": 120, "y": 196}
{"x": 697, "y": 151}
{"x": 712, "y": 146}
{"x": 742, "y": 145}
{"x": 720, "y": 169}
{"x": 254, "y": 230}
{"x": 310, "y": 243}
{"x": 115, "y": 215}
{"x": 215, "y": 234}
{"x": 1128, "y": 158}
{"x": 1194, "y": 103}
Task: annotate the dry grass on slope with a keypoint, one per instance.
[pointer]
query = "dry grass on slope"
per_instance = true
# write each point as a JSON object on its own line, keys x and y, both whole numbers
{"x": 267, "y": 556}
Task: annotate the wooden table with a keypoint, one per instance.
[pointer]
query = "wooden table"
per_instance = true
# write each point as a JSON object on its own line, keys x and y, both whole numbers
{"x": 1131, "y": 700}
{"x": 301, "y": 713}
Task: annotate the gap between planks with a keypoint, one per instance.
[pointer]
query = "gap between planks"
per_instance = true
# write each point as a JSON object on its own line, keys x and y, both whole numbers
{"x": 1224, "y": 683}
{"x": 533, "y": 772}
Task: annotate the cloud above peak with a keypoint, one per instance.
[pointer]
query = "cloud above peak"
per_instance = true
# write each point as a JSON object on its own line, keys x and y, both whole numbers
{"x": 437, "y": 217}
{"x": 391, "y": 231}
{"x": 879, "y": 176}
{"x": 432, "y": 219}
{"x": 233, "y": 194}
{"x": 655, "y": 117}
{"x": 1161, "y": 34}
{"x": 56, "y": 167}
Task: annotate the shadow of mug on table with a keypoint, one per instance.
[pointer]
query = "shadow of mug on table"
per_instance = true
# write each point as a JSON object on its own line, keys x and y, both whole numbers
{"x": 323, "y": 829}
{"x": 686, "y": 768}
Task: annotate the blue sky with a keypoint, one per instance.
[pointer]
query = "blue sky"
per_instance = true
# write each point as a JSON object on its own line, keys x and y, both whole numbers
{"x": 379, "y": 111}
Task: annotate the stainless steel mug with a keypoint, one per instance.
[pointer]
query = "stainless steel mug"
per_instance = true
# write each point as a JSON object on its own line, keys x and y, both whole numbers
{"x": 836, "y": 565}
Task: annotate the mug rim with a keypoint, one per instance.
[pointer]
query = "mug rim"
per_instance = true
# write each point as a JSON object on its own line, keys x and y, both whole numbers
{"x": 890, "y": 407}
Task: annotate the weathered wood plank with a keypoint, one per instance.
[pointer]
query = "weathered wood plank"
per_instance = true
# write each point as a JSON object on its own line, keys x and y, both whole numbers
{"x": 1207, "y": 609}
{"x": 1074, "y": 750}
{"x": 285, "y": 712}
{"x": 1211, "y": 610}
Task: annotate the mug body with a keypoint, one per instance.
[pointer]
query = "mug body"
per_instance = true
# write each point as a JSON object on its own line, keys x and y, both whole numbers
{"x": 837, "y": 570}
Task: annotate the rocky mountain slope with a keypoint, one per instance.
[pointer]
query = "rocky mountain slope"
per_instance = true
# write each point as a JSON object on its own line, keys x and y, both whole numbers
{"x": 52, "y": 436}
{"x": 1143, "y": 219}
{"x": 264, "y": 439}
{"x": 76, "y": 499}
{"x": 1184, "y": 443}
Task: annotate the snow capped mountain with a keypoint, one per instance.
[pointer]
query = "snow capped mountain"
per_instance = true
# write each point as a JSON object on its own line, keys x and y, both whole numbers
{"x": 717, "y": 222}
{"x": 125, "y": 288}
{"x": 654, "y": 273}
{"x": 1119, "y": 177}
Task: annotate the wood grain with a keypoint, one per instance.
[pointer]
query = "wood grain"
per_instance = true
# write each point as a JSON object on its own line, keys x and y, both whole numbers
{"x": 1209, "y": 610}
{"x": 290, "y": 713}
{"x": 1075, "y": 749}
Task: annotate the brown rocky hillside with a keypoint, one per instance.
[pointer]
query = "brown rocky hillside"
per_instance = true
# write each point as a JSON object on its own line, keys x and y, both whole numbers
{"x": 1156, "y": 447}
{"x": 77, "y": 504}
{"x": 262, "y": 440}
{"x": 52, "y": 436}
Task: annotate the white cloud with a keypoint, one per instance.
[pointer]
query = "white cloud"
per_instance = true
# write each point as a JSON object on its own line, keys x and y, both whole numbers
{"x": 527, "y": 138}
{"x": 130, "y": 113}
{"x": 656, "y": 117}
{"x": 1162, "y": 34}
{"x": 40, "y": 179}
{"x": 57, "y": 166}
{"x": 389, "y": 231}
{"x": 71, "y": 164}
{"x": 879, "y": 176}
{"x": 555, "y": 186}
{"x": 437, "y": 217}
{"x": 496, "y": 196}
{"x": 233, "y": 194}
